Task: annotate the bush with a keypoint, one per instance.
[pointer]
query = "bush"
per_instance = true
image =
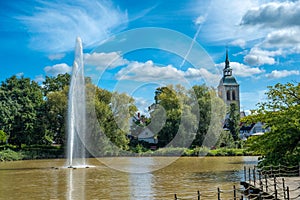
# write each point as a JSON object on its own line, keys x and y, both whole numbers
{"x": 10, "y": 155}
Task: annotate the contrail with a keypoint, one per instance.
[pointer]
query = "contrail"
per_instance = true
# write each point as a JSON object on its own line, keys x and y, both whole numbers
{"x": 191, "y": 46}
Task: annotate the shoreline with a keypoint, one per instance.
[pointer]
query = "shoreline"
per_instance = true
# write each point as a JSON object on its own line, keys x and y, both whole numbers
{"x": 44, "y": 153}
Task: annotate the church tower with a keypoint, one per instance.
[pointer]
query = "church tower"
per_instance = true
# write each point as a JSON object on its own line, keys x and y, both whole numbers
{"x": 229, "y": 89}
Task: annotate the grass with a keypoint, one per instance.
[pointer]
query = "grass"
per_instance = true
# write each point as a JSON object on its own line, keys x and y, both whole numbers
{"x": 10, "y": 155}
{"x": 48, "y": 152}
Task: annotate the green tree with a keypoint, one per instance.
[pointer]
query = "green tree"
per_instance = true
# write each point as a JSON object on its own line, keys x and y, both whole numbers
{"x": 108, "y": 116}
{"x": 204, "y": 100}
{"x": 168, "y": 100}
{"x": 56, "y": 113}
{"x": 52, "y": 84}
{"x": 174, "y": 117}
{"x": 233, "y": 121}
{"x": 22, "y": 102}
{"x": 3, "y": 136}
{"x": 281, "y": 113}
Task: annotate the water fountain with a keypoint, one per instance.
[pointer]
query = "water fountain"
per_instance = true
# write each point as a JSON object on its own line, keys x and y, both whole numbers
{"x": 76, "y": 124}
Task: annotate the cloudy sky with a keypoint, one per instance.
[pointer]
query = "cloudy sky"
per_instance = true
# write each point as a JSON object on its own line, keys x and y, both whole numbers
{"x": 135, "y": 46}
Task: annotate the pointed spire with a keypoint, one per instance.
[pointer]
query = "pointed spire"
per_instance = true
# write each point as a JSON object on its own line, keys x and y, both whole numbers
{"x": 227, "y": 71}
{"x": 227, "y": 60}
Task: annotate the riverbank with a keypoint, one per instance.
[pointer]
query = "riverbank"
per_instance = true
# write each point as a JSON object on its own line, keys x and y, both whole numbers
{"x": 49, "y": 152}
{"x": 12, "y": 153}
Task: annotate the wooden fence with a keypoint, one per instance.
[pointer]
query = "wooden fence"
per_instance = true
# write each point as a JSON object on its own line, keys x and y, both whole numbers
{"x": 259, "y": 183}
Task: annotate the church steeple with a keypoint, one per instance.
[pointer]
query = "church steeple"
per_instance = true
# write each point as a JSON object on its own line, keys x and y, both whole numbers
{"x": 227, "y": 71}
{"x": 227, "y": 60}
{"x": 228, "y": 88}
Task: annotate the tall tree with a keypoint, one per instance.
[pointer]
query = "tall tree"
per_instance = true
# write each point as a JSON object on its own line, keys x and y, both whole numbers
{"x": 204, "y": 100}
{"x": 56, "y": 83}
{"x": 22, "y": 102}
{"x": 175, "y": 106}
{"x": 108, "y": 120}
{"x": 56, "y": 113}
{"x": 281, "y": 113}
{"x": 234, "y": 121}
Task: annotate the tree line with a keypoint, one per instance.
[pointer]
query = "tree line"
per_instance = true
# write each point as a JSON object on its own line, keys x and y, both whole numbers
{"x": 36, "y": 114}
{"x": 179, "y": 117}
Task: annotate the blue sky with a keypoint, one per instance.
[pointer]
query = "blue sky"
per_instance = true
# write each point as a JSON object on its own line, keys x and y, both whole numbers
{"x": 135, "y": 46}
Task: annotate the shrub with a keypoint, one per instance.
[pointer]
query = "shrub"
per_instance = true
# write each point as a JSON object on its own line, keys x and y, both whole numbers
{"x": 10, "y": 155}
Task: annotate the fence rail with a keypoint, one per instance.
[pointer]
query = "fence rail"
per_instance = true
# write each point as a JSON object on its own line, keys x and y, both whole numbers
{"x": 268, "y": 182}
{"x": 271, "y": 181}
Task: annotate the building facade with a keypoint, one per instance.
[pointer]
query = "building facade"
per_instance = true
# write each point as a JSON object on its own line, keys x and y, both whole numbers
{"x": 229, "y": 89}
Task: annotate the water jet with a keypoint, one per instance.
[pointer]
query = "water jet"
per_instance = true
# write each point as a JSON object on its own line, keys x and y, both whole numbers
{"x": 76, "y": 121}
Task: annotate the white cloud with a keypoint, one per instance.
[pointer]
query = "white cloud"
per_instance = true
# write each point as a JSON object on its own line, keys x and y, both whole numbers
{"x": 54, "y": 70}
{"x": 223, "y": 19}
{"x": 209, "y": 77}
{"x": 281, "y": 74}
{"x": 239, "y": 42}
{"x": 274, "y": 15}
{"x": 104, "y": 60}
{"x": 283, "y": 38}
{"x": 54, "y": 25}
{"x": 20, "y": 74}
{"x": 241, "y": 70}
{"x": 148, "y": 71}
{"x": 258, "y": 56}
{"x": 200, "y": 20}
{"x": 57, "y": 56}
{"x": 39, "y": 78}
{"x": 142, "y": 104}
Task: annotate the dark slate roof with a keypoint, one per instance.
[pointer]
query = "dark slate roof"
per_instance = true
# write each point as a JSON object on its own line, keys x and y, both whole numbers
{"x": 229, "y": 80}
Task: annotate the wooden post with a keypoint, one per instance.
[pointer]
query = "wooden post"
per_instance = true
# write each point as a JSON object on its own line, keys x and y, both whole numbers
{"x": 198, "y": 195}
{"x": 271, "y": 171}
{"x": 260, "y": 182}
{"x": 234, "y": 193}
{"x": 249, "y": 175}
{"x": 245, "y": 174}
{"x": 266, "y": 181}
{"x": 283, "y": 186}
{"x": 275, "y": 187}
{"x": 254, "y": 176}
{"x": 288, "y": 193}
{"x": 219, "y": 194}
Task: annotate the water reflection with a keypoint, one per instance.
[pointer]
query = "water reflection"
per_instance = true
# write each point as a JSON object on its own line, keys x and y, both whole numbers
{"x": 36, "y": 180}
{"x": 141, "y": 184}
{"x": 75, "y": 183}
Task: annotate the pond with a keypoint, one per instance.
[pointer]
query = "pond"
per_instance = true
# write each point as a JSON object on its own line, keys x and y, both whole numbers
{"x": 123, "y": 178}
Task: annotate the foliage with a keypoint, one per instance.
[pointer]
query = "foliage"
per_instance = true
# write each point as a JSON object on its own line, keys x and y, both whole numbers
{"x": 203, "y": 95}
{"x": 21, "y": 103}
{"x": 56, "y": 113}
{"x": 225, "y": 140}
{"x": 233, "y": 121}
{"x": 173, "y": 118}
{"x": 108, "y": 116}
{"x": 282, "y": 114}
{"x": 58, "y": 83}
{"x": 3, "y": 136}
{"x": 10, "y": 155}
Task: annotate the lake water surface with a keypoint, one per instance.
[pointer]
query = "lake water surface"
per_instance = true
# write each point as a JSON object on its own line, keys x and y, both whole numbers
{"x": 139, "y": 178}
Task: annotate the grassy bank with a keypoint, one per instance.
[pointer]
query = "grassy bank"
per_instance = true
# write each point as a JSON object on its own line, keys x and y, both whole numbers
{"x": 48, "y": 152}
{"x": 13, "y": 153}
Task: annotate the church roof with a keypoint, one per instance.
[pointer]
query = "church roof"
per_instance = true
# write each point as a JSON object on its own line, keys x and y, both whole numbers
{"x": 229, "y": 80}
